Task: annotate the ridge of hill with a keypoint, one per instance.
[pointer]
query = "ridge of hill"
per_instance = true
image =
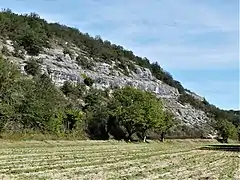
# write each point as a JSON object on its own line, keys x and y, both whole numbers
{"x": 66, "y": 54}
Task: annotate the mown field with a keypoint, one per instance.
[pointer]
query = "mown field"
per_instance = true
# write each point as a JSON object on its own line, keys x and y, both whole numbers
{"x": 115, "y": 160}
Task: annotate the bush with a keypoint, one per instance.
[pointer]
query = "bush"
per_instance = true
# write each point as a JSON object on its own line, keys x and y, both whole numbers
{"x": 18, "y": 51}
{"x": 88, "y": 81}
{"x": 68, "y": 51}
{"x": 72, "y": 91}
{"x": 32, "y": 67}
{"x": 31, "y": 43}
{"x": 84, "y": 63}
{"x": 73, "y": 119}
{"x": 9, "y": 92}
{"x": 5, "y": 51}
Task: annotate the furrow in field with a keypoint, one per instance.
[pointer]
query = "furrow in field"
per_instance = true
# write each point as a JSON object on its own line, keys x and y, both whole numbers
{"x": 151, "y": 172}
{"x": 43, "y": 162}
{"x": 59, "y": 161}
{"x": 199, "y": 168}
{"x": 161, "y": 166}
{"x": 228, "y": 171}
{"x": 33, "y": 152}
{"x": 180, "y": 166}
{"x": 217, "y": 170}
{"x": 44, "y": 149}
{"x": 64, "y": 155}
{"x": 13, "y": 157}
{"x": 88, "y": 165}
{"x": 121, "y": 167}
{"x": 93, "y": 170}
{"x": 188, "y": 167}
{"x": 209, "y": 171}
{"x": 61, "y": 143}
{"x": 236, "y": 175}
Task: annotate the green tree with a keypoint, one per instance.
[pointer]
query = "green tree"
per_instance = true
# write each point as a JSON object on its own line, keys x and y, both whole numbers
{"x": 97, "y": 121}
{"x": 136, "y": 110}
{"x": 163, "y": 126}
{"x": 9, "y": 91}
{"x": 67, "y": 88}
{"x": 238, "y": 131}
{"x": 41, "y": 102}
{"x": 68, "y": 51}
{"x": 226, "y": 129}
{"x": 5, "y": 51}
{"x": 31, "y": 43}
{"x": 152, "y": 114}
{"x": 96, "y": 114}
{"x": 73, "y": 119}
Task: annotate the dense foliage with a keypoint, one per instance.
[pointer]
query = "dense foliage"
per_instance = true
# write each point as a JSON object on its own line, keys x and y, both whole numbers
{"x": 226, "y": 130}
{"x": 137, "y": 111}
{"x": 36, "y": 104}
{"x": 211, "y": 110}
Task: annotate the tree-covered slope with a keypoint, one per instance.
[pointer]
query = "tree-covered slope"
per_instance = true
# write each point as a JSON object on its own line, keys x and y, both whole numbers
{"x": 31, "y": 33}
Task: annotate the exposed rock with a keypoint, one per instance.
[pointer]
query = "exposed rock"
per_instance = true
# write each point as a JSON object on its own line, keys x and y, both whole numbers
{"x": 62, "y": 68}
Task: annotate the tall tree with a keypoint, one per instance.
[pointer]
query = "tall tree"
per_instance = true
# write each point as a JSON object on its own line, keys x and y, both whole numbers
{"x": 136, "y": 110}
{"x": 163, "y": 126}
{"x": 42, "y": 100}
{"x": 152, "y": 114}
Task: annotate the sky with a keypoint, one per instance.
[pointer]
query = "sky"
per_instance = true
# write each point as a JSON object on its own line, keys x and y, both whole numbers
{"x": 196, "y": 41}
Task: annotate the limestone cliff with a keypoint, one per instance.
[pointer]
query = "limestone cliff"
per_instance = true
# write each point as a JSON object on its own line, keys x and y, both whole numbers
{"x": 63, "y": 67}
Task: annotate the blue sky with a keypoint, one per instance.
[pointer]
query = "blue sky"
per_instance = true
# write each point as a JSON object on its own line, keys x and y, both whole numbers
{"x": 196, "y": 41}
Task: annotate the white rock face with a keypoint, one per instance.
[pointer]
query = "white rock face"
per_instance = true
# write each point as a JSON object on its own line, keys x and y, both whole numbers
{"x": 62, "y": 68}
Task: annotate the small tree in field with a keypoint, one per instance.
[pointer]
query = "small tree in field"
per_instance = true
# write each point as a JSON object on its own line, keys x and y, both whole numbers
{"x": 226, "y": 129}
{"x": 136, "y": 110}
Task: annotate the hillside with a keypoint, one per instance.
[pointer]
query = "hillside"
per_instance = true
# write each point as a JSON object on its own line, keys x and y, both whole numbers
{"x": 65, "y": 54}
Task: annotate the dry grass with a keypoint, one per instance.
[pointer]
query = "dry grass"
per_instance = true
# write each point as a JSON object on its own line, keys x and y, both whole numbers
{"x": 176, "y": 159}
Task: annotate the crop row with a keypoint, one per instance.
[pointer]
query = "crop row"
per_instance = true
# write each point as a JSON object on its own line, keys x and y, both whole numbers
{"x": 116, "y": 161}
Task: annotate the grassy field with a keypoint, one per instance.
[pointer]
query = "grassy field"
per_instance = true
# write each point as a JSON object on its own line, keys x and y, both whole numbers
{"x": 115, "y": 160}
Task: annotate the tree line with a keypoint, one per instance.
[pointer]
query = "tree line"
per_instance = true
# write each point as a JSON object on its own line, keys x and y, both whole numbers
{"x": 36, "y": 104}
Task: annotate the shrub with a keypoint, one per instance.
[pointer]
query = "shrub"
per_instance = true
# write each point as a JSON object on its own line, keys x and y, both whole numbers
{"x": 68, "y": 51}
{"x": 31, "y": 43}
{"x": 84, "y": 63}
{"x": 5, "y": 51}
{"x": 88, "y": 81}
{"x": 73, "y": 119}
{"x": 32, "y": 67}
{"x": 18, "y": 51}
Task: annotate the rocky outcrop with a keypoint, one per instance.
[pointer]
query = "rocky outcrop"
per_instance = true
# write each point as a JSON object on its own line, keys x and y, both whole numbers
{"x": 63, "y": 68}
